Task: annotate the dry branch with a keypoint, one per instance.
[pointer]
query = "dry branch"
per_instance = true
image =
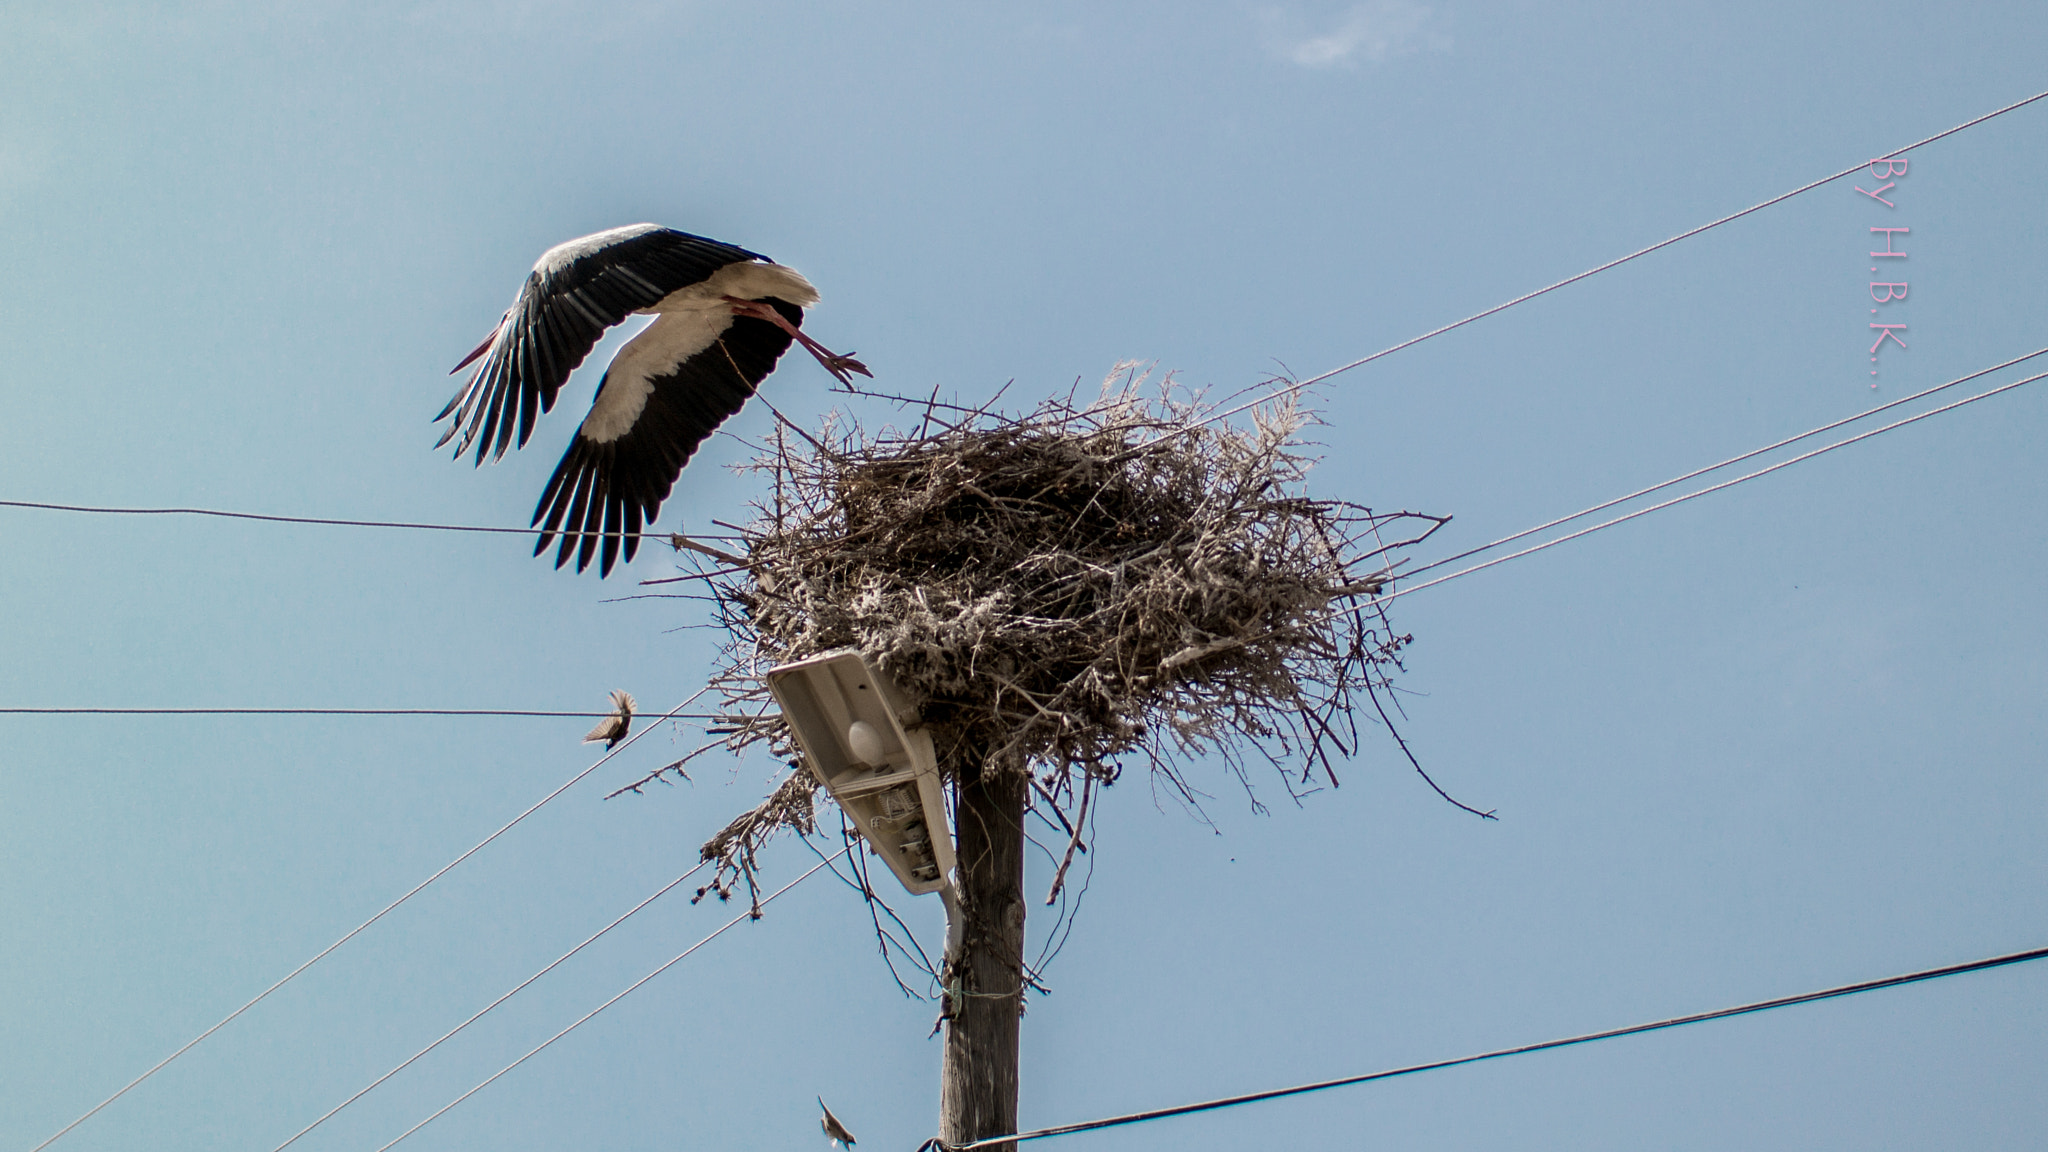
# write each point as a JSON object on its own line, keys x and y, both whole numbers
{"x": 1065, "y": 589}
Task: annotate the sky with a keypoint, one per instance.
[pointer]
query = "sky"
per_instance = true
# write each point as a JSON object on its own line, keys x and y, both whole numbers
{"x": 1774, "y": 739}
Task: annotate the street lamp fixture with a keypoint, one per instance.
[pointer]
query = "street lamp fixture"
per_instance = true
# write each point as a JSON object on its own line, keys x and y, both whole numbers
{"x": 863, "y": 744}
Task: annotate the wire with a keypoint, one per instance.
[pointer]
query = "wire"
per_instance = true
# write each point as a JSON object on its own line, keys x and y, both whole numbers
{"x": 1378, "y": 601}
{"x": 329, "y": 712}
{"x": 748, "y": 915}
{"x": 1499, "y": 1053}
{"x": 1411, "y": 574}
{"x": 1296, "y": 386}
{"x": 1698, "y": 472}
{"x": 1293, "y": 386}
{"x": 357, "y": 930}
{"x": 1526, "y": 532}
{"x": 663, "y": 891}
{"x": 679, "y": 540}
{"x": 1711, "y": 488}
{"x": 113, "y": 511}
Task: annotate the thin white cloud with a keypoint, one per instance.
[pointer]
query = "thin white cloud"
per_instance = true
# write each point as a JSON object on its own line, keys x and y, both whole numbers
{"x": 1372, "y": 32}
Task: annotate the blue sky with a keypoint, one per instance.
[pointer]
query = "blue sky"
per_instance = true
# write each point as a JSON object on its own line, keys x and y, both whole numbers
{"x": 1778, "y": 738}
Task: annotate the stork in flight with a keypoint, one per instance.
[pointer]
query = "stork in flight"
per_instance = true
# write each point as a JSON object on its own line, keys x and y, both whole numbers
{"x": 722, "y": 317}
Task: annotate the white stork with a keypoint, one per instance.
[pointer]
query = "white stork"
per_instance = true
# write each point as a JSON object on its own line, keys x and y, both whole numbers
{"x": 722, "y": 317}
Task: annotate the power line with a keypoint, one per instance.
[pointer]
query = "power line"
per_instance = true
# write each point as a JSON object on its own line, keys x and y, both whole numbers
{"x": 674, "y": 538}
{"x": 751, "y": 914}
{"x": 1377, "y": 601}
{"x": 1500, "y": 1053}
{"x": 82, "y": 711}
{"x": 225, "y": 515}
{"x": 1293, "y": 386}
{"x": 677, "y": 714}
{"x": 520, "y": 987}
{"x": 1698, "y": 472}
{"x": 1711, "y": 488}
{"x": 357, "y": 930}
{"x": 1526, "y": 532}
{"x": 1811, "y": 997}
{"x": 681, "y": 541}
{"x": 1296, "y": 386}
{"x": 684, "y": 542}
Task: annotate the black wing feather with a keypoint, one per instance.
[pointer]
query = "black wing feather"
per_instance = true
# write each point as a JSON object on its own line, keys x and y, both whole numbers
{"x": 607, "y": 491}
{"x": 570, "y": 533}
{"x": 557, "y": 320}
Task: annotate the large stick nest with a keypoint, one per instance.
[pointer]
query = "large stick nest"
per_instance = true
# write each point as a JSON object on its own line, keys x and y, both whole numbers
{"x": 1065, "y": 589}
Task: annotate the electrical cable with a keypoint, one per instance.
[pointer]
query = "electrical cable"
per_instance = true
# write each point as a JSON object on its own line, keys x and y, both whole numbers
{"x": 1698, "y": 472}
{"x": 1377, "y": 600}
{"x": 1501, "y": 1053}
{"x": 675, "y": 538}
{"x": 81, "y": 711}
{"x": 1289, "y": 388}
{"x": 1383, "y": 598}
{"x": 1292, "y": 386}
{"x": 1296, "y": 386}
{"x": 520, "y": 987}
{"x": 358, "y": 929}
{"x": 1811, "y": 997}
{"x": 115, "y": 511}
{"x": 753, "y": 913}
{"x": 1411, "y": 574}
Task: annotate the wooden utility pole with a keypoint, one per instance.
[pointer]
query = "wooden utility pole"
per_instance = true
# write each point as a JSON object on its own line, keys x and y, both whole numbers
{"x": 985, "y": 959}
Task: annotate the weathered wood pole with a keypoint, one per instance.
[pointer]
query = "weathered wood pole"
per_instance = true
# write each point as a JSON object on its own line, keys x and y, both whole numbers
{"x": 984, "y": 970}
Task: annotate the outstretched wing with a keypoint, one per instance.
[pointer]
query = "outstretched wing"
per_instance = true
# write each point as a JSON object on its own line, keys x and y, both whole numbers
{"x": 573, "y": 294}
{"x": 665, "y": 392}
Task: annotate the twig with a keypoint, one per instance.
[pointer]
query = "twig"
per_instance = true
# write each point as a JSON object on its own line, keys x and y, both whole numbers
{"x": 1081, "y": 819}
{"x": 1488, "y": 815}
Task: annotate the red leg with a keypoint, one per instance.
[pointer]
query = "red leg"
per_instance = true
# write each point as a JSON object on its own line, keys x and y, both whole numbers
{"x": 841, "y": 367}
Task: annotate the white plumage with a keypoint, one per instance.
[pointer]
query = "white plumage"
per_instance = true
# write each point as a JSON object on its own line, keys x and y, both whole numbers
{"x": 723, "y": 317}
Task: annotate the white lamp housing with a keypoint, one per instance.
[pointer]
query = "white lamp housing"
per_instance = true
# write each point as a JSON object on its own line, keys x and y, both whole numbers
{"x": 851, "y": 723}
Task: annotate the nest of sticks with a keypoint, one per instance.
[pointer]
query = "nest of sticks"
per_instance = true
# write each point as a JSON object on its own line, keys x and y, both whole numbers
{"x": 1064, "y": 591}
